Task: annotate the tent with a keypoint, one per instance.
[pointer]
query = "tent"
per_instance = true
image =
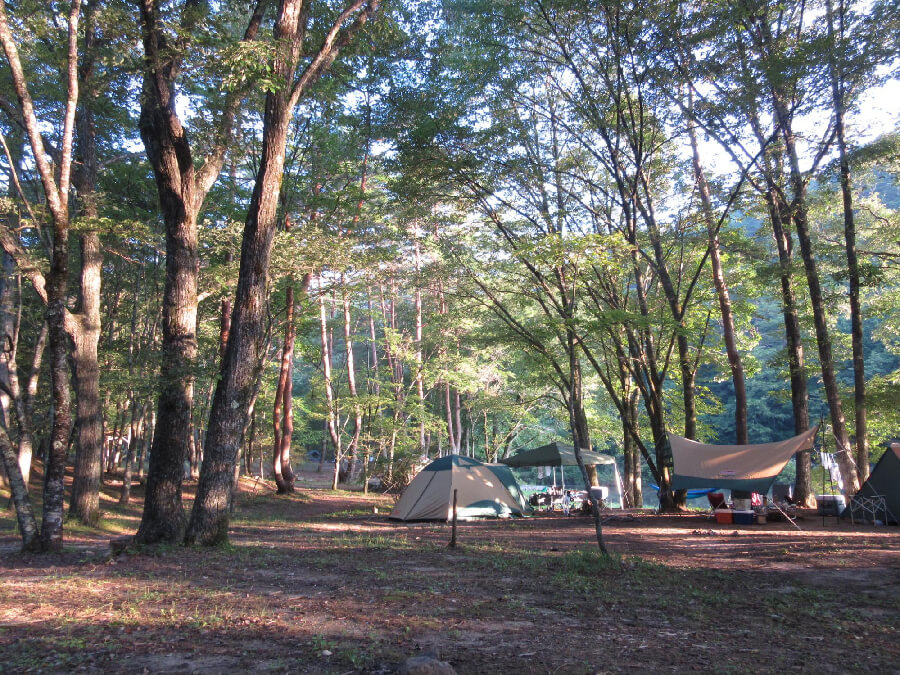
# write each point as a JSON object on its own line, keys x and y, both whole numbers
{"x": 555, "y": 454}
{"x": 884, "y": 481}
{"x": 482, "y": 491}
{"x": 751, "y": 468}
{"x": 560, "y": 454}
{"x": 505, "y": 476}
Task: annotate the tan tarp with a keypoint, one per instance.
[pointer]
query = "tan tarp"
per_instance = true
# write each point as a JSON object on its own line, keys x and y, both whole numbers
{"x": 480, "y": 492}
{"x": 742, "y": 467}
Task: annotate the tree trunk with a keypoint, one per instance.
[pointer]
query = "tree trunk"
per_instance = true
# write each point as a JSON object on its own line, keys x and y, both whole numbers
{"x": 635, "y": 484}
{"x": 728, "y": 332}
{"x": 856, "y": 321}
{"x": 19, "y": 491}
{"x": 85, "y": 498}
{"x": 136, "y": 419}
{"x": 419, "y": 364}
{"x": 779, "y": 216}
{"x": 281, "y": 464}
{"x": 54, "y": 470}
{"x": 169, "y": 153}
{"x": 209, "y": 517}
{"x": 332, "y": 418}
{"x": 353, "y": 445}
{"x": 181, "y": 190}
{"x": 823, "y": 339}
{"x": 582, "y": 439}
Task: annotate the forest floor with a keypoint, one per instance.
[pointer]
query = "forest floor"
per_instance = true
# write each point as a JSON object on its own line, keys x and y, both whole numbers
{"x": 319, "y": 582}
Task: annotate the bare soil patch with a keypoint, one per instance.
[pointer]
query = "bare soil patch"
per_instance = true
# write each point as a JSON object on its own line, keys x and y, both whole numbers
{"x": 319, "y": 582}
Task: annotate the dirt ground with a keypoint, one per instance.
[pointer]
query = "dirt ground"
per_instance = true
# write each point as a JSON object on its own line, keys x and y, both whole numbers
{"x": 323, "y": 582}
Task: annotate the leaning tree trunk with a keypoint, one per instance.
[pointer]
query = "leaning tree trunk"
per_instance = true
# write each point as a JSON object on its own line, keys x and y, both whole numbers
{"x": 24, "y": 512}
{"x": 209, "y": 516}
{"x": 728, "y": 332}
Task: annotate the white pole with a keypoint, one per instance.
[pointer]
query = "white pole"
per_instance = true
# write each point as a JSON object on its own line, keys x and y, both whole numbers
{"x": 619, "y": 486}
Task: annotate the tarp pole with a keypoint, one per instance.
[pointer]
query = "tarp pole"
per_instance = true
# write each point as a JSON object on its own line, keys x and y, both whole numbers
{"x": 619, "y": 487}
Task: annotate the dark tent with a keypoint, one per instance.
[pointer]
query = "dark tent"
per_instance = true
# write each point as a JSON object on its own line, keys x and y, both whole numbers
{"x": 555, "y": 454}
{"x": 884, "y": 481}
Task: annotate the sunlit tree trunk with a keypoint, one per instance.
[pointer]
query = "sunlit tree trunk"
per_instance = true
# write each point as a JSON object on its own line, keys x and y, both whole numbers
{"x": 353, "y": 444}
{"x": 282, "y": 416}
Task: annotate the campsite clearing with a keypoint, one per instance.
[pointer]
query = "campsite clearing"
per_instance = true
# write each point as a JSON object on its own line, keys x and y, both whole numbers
{"x": 318, "y": 582}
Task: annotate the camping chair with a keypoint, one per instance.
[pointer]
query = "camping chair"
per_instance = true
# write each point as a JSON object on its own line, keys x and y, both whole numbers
{"x": 716, "y": 500}
{"x": 870, "y": 508}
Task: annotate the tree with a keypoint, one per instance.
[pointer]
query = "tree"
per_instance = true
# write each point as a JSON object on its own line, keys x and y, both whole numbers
{"x": 209, "y": 517}
{"x": 56, "y": 193}
{"x": 182, "y": 186}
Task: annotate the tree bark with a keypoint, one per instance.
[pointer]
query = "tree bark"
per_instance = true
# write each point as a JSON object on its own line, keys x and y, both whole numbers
{"x": 856, "y": 319}
{"x": 85, "y": 497}
{"x": 353, "y": 445}
{"x": 56, "y": 193}
{"x": 137, "y": 413}
{"x": 779, "y": 216}
{"x": 283, "y": 412}
{"x": 85, "y": 324}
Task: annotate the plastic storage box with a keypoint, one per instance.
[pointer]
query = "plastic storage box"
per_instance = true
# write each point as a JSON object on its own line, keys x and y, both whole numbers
{"x": 724, "y": 517}
{"x": 743, "y": 517}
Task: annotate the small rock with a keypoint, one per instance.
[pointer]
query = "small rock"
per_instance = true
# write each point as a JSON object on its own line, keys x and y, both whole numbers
{"x": 425, "y": 665}
{"x": 325, "y": 652}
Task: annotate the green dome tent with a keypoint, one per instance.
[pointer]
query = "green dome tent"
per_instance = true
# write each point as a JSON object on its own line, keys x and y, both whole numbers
{"x": 883, "y": 482}
{"x": 482, "y": 491}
